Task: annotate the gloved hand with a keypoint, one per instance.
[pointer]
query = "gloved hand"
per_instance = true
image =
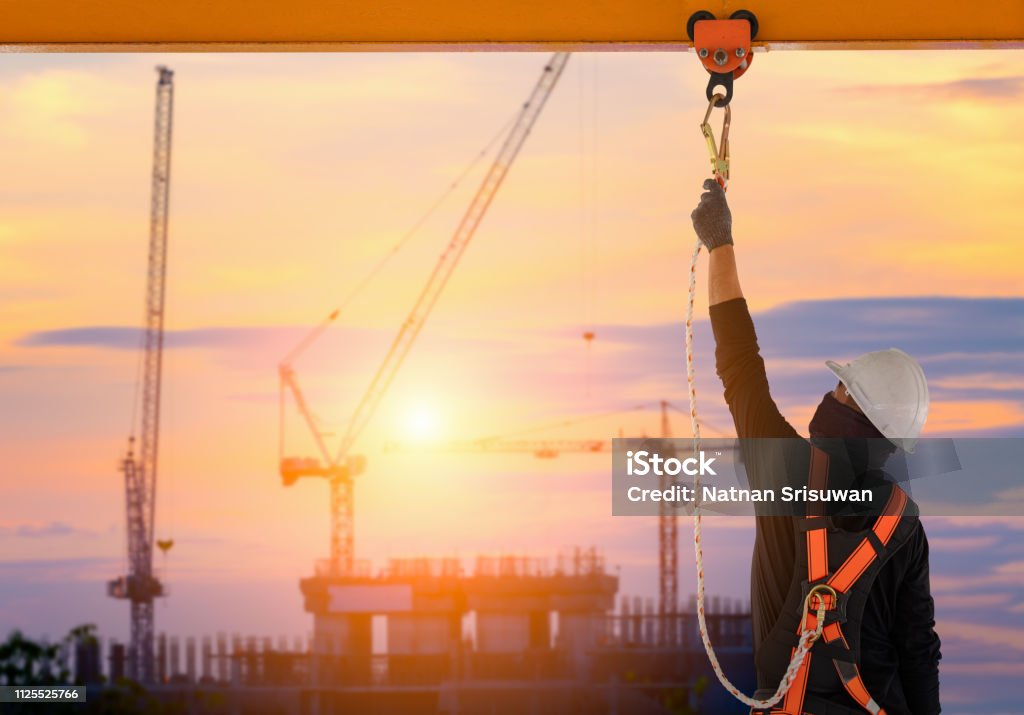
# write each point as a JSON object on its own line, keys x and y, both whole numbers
{"x": 712, "y": 219}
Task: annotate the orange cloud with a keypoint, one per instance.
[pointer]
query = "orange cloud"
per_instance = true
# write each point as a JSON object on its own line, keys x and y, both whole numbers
{"x": 951, "y": 416}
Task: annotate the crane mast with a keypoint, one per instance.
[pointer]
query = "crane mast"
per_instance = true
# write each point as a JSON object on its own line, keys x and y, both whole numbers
{"x": 340, "y": 469}
{"x": 140, "y": 587}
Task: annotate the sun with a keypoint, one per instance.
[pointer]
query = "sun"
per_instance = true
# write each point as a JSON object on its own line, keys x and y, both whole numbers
{"x": 422, "y": 422}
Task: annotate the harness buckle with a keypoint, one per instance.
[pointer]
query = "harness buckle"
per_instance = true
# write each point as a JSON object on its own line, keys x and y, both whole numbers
{"x": 719, "y": 153}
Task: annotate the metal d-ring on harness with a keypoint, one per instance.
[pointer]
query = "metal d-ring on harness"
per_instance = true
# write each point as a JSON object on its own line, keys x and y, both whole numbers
{"x": 719, "y": 155}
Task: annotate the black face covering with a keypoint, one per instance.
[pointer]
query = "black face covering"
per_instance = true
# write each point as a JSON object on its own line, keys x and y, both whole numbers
{"x": 866, "y": 447}
{"x": 834, "y": 419}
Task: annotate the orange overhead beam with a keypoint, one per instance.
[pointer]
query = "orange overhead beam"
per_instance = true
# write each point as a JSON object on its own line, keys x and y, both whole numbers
{"x": 186, "y": 25}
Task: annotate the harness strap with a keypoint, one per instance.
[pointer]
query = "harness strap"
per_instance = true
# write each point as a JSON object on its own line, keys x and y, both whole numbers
{"x": 817, "y": 539}
{"x": 858, "y": 562}
{"x": 794, "y": 702}
{"x": 832, "y": 632}
{"x": 849, "y": 674}
{"x": 841, "y": 581}
{"x": 817, "y": 569}
{"x": 865, "y": 554}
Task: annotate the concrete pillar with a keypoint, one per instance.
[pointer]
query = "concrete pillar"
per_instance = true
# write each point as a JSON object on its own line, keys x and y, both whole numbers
{"x": 317, "y": 648}
{"x": 348, "y": 639}
{"x": 236, "y": 660}
{"x": 207, "y": 658}
{"x": 190, "y": 659}
{"x": 650, "y": 623}
{"x": 579, "y": 632}
{"x": 174, "y": 662}
{"x": 252, "y": 672}
{"x": 222, "y": 658}
{"x": 117, "y": 661}
{"x": 161, "y": 658}
{"x": 637, "y": 608}
{"x": 624, "y": 621}
{"x": 88, "y": 661}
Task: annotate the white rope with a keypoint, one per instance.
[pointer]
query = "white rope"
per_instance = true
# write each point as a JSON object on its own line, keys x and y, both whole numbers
{"x": 807, "y": 637}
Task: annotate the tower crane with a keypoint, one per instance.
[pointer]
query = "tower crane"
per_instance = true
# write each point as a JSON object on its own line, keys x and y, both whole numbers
{"x": 140, "y": 587}
{"x": 340, "y": 467}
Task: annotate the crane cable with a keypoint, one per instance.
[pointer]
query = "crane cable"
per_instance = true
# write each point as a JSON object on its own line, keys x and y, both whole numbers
{"x": 720, "y": 164}
{"x": 588, "y": 175}
{"x": 425, "y": 216}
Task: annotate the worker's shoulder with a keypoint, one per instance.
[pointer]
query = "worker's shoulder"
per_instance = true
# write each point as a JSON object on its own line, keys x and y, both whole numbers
{"x": 912, "y": 551}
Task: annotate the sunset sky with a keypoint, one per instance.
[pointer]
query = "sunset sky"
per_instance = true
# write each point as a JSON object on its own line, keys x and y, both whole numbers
{"x": 876, "y": 201}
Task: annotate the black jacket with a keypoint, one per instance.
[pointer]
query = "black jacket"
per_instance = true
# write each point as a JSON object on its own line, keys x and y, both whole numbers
{"x": 900, "y": 649}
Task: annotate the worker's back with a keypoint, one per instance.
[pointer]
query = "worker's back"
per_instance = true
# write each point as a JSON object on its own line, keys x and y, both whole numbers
{"x": 896, "y": 627}
{"x": 899, "y": 647}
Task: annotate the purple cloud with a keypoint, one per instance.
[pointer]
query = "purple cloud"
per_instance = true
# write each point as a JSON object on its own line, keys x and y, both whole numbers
{"x": 980, "y": 88}
{"x": 41, "y": 530}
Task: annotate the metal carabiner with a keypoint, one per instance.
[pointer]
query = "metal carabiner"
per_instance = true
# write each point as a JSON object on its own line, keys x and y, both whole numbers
{"x": 719, "y": 153}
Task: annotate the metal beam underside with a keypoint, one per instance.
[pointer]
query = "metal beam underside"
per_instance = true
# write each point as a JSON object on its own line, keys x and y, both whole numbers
{"x": 468, "y": 25}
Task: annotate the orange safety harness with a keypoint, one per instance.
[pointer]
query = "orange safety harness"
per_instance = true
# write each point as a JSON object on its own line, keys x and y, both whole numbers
{"x": 833, "y": 574}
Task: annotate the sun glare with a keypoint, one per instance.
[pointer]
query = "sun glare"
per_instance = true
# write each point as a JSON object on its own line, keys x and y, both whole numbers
{"x": 422, "y": 423}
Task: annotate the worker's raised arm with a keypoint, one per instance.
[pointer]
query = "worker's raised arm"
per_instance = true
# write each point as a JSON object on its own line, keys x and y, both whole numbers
{"x": 737, "y": 356}
{"x": 723, "y": 278}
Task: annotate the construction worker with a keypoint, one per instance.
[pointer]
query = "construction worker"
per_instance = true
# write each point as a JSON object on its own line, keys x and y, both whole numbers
{"x": 881, "y": 398}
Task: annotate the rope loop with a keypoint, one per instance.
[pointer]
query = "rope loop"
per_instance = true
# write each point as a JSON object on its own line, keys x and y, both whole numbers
{"x": 807, "y": 636}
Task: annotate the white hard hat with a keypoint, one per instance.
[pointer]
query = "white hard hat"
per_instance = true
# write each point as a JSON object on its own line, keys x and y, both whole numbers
{"x": 889, "y": 387}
